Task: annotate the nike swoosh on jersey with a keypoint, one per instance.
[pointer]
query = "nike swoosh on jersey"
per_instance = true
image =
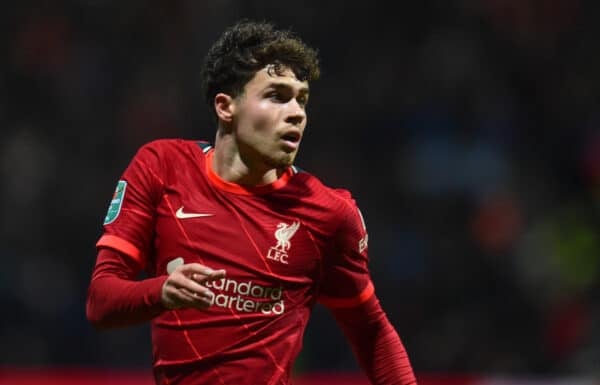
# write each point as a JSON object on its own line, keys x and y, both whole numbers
{"x": 181, "y": 215}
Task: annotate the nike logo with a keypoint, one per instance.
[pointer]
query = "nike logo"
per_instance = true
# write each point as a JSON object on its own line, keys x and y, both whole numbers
{"x": 181, "y": 215}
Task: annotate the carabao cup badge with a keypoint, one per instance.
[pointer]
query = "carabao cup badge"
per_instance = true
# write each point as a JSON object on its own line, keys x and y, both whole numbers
{"x": 116, "y": 202}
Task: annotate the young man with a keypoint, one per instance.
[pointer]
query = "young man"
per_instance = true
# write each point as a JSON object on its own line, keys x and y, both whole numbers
{"x": 239, "y": 244}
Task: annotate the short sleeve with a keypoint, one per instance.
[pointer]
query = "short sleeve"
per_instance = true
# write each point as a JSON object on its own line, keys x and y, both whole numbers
{"x": 129, "y": 221}
{"x": 347, "y": 281}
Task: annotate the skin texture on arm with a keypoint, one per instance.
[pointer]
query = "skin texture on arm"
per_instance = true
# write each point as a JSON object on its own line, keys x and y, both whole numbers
{"x": 375, "y": 343}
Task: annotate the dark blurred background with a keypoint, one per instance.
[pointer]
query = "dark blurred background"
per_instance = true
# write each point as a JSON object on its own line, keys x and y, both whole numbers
{"x": 468, "y": 132}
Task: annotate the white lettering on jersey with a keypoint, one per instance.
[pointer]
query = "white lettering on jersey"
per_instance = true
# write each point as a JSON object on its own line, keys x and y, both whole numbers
{"x": 247, "y": 297}
{"x": 363, "y": 243}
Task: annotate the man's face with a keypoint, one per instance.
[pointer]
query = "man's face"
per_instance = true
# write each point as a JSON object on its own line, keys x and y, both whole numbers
{"x": 270, "y": 117}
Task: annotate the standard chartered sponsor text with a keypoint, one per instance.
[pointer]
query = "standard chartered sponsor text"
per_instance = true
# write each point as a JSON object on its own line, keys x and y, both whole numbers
{"x": 247, "y": 296}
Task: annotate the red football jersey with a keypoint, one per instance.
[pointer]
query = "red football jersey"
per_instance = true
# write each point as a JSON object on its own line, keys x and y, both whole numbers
{"x": 284, "y": 246}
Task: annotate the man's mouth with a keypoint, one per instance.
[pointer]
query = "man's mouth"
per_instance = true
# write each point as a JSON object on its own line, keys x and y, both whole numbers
{"x": 291, "y": 140}
{"x": 292, "y": 137}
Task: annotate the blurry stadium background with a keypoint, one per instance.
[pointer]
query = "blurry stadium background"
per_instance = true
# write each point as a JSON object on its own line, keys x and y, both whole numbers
{"x": 468, "y": 131}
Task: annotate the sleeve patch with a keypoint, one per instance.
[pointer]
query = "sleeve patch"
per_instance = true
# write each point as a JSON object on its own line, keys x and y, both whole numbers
{"x": 114, "y": 209}
{"x": 363, "y": 243}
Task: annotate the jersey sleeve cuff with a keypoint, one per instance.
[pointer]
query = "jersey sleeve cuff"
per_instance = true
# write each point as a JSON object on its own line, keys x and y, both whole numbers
{"x": 122, "y": 245}
{"x": 339, "y": 303}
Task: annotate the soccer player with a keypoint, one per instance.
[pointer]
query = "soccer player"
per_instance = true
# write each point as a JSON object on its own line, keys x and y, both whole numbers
{"x": 237, "y": 242}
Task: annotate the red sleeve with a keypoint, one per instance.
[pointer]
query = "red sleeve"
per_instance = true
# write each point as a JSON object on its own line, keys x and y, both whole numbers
{"x": 346, "y": 280}
{"x": 115, "y": 298}
{"x": 375, "y": 343}
{"x": 129, "y": 222}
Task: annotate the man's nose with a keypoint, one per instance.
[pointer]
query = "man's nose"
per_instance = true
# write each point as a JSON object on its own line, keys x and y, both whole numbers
{"x": 297, "y": 113}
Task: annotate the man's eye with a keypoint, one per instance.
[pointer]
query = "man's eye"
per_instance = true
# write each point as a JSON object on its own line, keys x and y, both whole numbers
{"x": 275, "y": 96}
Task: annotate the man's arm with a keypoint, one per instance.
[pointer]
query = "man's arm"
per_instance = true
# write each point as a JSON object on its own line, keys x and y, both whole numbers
{"x": 375, "y": 343}
{"x": 115, "y": 298}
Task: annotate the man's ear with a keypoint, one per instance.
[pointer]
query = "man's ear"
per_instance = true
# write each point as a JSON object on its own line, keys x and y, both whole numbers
{"x": 224, "y": 107}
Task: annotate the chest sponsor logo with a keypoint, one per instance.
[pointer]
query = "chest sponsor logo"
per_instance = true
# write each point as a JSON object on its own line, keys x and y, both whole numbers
{"x": 283, "y": 234}
{"x": 241, "y": 296}
{"x": 247, "y": 296}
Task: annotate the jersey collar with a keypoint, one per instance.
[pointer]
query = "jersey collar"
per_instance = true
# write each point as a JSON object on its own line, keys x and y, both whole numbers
{"x": 235, "y": 188}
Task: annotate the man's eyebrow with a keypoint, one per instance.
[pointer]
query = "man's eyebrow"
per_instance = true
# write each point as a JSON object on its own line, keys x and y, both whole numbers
{"x": 279, "y": 85}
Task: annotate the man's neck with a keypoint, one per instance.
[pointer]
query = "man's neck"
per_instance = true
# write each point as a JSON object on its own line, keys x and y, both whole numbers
{"x": 230, "y": 165}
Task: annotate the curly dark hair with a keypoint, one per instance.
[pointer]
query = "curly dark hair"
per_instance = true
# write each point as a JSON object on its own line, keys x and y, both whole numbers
{"x": 247, "y": 47}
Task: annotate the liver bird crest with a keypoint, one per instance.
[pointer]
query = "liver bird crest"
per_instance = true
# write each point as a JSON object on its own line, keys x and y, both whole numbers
{"x": 284, "y": 233}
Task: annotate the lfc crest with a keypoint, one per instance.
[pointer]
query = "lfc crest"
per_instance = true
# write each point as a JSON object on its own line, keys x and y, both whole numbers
{"x": 283, "y": 234}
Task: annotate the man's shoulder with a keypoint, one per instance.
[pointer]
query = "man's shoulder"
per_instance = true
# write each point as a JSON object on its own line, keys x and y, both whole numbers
{"x": 167, "y": 145}
{"x": 170, "y": 149}
{"x": 334, "y": 197}
{"x": 163, "y": 156}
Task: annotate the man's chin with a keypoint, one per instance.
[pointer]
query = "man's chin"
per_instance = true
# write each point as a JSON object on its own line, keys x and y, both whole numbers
{"x": 283, "y": 161}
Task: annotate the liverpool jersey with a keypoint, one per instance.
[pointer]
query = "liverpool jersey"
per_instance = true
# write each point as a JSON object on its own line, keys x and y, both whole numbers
{"x": 284, "y": 246}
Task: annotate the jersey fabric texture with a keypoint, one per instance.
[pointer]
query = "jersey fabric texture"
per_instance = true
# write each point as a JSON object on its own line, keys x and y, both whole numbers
{"x": 284, "y": 246}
